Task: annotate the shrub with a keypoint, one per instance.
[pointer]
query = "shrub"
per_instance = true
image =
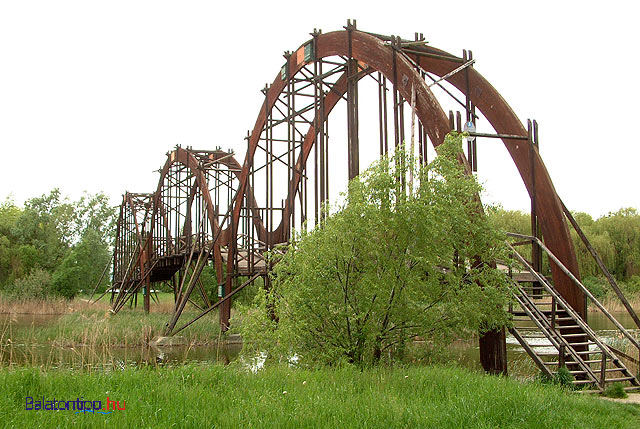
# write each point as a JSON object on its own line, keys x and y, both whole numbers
{"x": 615, "y": 390}
{"x": 399, "y": 260}
{"x": 596, "y": 286}
{"x": 631, "y": 286}
{"x": 37, "y": 284}
{"x": 562, "y": 378}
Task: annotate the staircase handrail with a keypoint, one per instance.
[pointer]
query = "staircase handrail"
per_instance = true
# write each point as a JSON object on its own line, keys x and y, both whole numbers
{"x": 576, "y": 281}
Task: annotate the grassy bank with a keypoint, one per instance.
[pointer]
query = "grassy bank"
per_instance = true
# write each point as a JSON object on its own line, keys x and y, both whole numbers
{"x": 216, "y": 396}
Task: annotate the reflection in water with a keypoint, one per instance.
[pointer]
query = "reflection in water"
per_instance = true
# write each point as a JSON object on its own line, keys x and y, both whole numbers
{"x": 51, "y": 356}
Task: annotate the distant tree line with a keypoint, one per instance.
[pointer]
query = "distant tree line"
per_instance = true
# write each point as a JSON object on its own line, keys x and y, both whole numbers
{"x": 615, "y": 236}
{"x": 53, "y": 246}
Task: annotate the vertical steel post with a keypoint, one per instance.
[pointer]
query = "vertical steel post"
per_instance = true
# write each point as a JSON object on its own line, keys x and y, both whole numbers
{"x": 352, "y": 109}
{"x": 535, "y": 249}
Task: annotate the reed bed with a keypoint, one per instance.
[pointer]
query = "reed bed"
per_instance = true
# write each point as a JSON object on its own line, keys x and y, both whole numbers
{"x": 12, "y": 305}
{"x": 613, "y": 304}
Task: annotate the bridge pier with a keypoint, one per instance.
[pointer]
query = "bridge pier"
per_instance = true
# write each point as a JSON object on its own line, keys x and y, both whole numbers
{"x": 493, "y": 352}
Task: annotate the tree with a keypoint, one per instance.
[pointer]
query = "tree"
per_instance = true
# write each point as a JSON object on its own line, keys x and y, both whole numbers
{"x": 69, "y": 240}
{"x": 82, "y": 267}
{"x": 623, "y": 228}
{"x": 390, "y": 265}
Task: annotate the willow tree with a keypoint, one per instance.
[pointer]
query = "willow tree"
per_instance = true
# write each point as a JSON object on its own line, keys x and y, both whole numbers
{"x": 396, "y": 261}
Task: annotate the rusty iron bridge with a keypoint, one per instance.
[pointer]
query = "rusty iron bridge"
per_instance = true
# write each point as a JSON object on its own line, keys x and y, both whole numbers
{"x": 209, "y": 210}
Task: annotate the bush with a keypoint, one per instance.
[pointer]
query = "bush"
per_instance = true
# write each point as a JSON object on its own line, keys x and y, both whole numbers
{"x": 597, "y": 286}
{"x": 562, "y": 378}
{"x": 37, "y": 284}
{"x": 615, "y": 390}
{"x": 631, "y": 286}
{"x": 396, "y": 262}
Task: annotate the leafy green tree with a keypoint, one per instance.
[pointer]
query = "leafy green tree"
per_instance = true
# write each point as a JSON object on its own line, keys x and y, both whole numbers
{"x": 509, "y": 220}
{"x": 623, "y": 228}
{"x": 599, "y": 239}
{"x": 70, "y": 240}
{"x": 82, "y": 267}
{"x": 391, "y": 265}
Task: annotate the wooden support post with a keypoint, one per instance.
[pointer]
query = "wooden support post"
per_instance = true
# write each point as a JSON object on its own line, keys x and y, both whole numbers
{"x": 352, "y": 114}
{"x": 493, "y": 352}
{"x": 147, "y": 295}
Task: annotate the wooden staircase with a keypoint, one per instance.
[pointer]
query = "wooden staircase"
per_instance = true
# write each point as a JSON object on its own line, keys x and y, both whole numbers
{"x": 541, "y": 313}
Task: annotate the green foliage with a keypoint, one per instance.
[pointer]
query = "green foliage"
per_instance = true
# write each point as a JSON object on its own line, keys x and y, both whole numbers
{"x": 80, "y": 269}
{"x": 209, "y": 281}
{"x": 37, "y": 284}
{"x": 68, "y": 239}
{"x": 392, "y": 264}
{"x": 616, "y": 238}
{"x": 562, "y": 378}
{"x": 509, "y": 220}
{"x": 632, "y": 286}
{"x": 623, "y": 227}
{"x": 599, "y": 287}
{"x": 615, "y": 390}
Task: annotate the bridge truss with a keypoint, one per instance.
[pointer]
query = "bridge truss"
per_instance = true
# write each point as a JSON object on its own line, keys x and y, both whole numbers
{"x": 210, "y": 210}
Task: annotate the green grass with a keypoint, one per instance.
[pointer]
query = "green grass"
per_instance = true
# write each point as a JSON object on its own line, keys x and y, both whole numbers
{"x": 216, "y": 396}
{"x": 615, "y": 390}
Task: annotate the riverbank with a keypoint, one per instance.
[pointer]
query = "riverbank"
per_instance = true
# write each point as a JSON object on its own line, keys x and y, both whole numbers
{"x": 78, "y": 322}
{"x": 217, "y": 396}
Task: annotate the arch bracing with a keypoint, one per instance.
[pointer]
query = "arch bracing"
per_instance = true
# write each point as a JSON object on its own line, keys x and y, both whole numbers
{"x": 130, "y": 260}
{"x": 289, "y": 142}
{"x": 341, "y": 100}
{"x": 285, "y": 177}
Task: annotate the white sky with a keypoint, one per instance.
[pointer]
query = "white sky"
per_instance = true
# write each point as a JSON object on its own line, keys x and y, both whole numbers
{"x": 93, "y": 94}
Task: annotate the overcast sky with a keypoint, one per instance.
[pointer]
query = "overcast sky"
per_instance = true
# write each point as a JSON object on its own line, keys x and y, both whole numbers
{"x": 93, "y": 94}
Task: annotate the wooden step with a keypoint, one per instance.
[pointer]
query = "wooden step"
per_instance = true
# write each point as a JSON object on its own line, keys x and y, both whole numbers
{"x": 614, "y": 380}
{"x": 578, "y": 353}
{"x": 588, "y": 343}
{"x": 583, "y": 381}
{"x": 544, "y": 312}
{"x": 627, "y": 389}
